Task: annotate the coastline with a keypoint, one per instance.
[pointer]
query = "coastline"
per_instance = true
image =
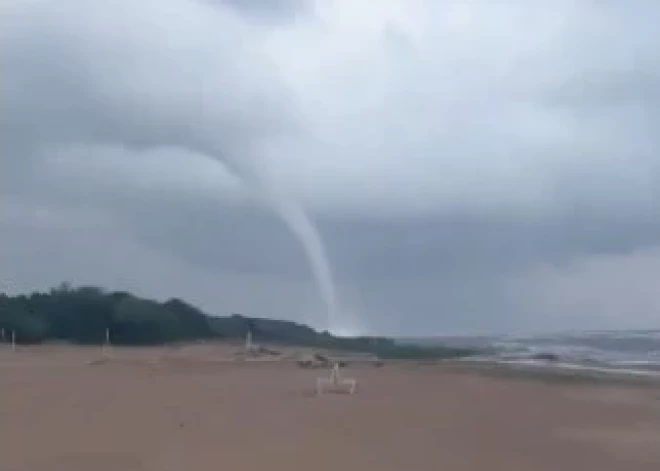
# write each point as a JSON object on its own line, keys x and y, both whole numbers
{"x": 230, "y": 353}
{"x": 534, "y": 370}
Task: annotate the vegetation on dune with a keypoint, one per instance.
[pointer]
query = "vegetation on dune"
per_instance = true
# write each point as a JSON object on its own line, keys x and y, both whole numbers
{"x": 82, "y": 315}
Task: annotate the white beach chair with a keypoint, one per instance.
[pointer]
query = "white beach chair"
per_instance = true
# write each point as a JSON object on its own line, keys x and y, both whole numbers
{"x": 335, "y": 382}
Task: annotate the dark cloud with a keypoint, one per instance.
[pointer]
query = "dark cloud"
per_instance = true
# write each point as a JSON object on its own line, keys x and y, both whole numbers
{"x": 471, "y": 167}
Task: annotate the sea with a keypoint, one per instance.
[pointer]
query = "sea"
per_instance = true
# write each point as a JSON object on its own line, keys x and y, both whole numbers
{"x": 631, "y": 352}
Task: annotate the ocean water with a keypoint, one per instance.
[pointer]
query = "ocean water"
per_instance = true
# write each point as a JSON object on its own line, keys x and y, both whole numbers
{"x": 625, "y": 352}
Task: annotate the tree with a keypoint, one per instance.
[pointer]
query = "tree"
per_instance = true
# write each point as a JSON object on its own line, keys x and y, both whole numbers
{"x": 82, "y": 315}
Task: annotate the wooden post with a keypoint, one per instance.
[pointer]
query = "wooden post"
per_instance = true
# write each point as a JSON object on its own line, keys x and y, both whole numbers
{"x": 106, "y": 342}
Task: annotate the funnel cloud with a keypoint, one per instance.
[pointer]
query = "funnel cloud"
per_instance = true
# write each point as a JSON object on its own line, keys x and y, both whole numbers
{"x": 416, "y": 168}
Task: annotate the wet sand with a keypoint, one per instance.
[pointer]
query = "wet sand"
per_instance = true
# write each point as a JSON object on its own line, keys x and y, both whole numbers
{"x": 164, "y": 410}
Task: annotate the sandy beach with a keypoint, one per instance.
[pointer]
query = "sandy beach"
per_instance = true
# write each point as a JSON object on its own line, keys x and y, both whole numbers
{"x": 154, "y": 409}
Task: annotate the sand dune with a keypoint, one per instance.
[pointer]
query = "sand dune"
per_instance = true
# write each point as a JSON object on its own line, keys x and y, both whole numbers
{"x": 166, "y": 409}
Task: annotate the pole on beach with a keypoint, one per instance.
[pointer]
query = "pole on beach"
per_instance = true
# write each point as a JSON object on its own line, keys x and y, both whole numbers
{"x": 106, "y": 341}
{"x": 248, "y": 342}
{"x": 13, "y": 340}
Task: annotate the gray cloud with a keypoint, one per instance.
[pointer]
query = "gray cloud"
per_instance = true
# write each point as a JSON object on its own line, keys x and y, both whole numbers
{"x": 267, "y": 9}
{"x": 472, "y": 167}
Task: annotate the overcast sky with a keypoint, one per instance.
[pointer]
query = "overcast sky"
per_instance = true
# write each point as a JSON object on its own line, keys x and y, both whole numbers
{"x": 472, "y": 167}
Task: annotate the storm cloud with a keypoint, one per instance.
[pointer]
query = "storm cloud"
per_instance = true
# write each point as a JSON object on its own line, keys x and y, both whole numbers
{"x": 478, "y": 166}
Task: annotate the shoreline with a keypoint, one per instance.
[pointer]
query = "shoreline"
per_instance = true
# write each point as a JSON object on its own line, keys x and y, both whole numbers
{"x": 228, "y": 354}
{"x": 560, "y": 371}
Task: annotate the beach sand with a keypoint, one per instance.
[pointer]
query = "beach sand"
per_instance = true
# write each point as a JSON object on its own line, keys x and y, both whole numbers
{"x": 172, "y": 410}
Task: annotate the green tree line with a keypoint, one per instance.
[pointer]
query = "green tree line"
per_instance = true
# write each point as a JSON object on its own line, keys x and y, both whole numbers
{"x": 82, "y": 315}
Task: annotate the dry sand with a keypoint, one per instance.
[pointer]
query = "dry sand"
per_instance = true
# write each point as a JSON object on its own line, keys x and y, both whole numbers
{"x": 176, "y": 410}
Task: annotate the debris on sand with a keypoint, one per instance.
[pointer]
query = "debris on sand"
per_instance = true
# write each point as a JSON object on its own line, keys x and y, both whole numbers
{"x": 315, "y": 360}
